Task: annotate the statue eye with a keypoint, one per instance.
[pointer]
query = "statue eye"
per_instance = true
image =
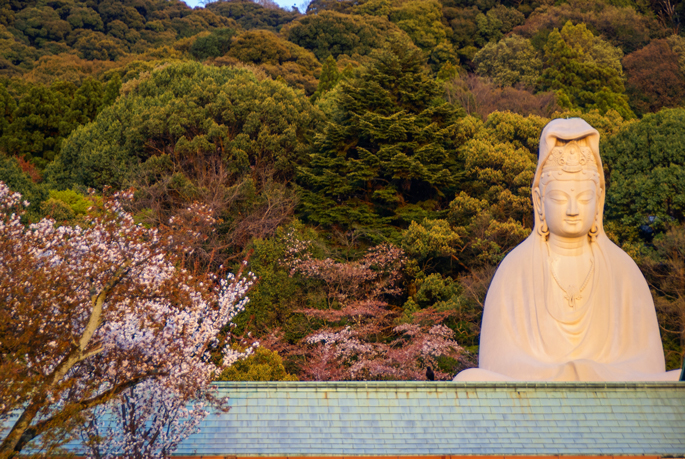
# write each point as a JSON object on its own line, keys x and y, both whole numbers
{"x": 557, "y": 197}
{"x": 585, "y": 197}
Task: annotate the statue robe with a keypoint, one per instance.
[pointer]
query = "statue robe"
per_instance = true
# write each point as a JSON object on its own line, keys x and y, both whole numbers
{"x": 611, "y": 336}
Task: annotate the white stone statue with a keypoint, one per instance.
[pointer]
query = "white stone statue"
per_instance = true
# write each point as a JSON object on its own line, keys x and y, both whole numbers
{"x": 567, "y": 304}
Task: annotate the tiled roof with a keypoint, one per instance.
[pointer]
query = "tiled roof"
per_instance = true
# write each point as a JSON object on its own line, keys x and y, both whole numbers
{"x": 444, "y": 418}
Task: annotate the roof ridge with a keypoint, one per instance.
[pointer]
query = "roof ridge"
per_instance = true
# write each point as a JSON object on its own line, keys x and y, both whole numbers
{"x": 448, "y": 385}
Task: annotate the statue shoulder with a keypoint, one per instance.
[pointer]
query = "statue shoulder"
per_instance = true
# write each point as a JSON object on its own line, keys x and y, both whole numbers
{"x": 520, "y": 253}
{"x": 618, "y": 255}
{"x": 518, "y": 260}
{"x": 623, "y": 266}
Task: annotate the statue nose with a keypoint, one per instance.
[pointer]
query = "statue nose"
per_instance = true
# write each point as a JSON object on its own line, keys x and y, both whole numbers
{"x": 572, "y": 208}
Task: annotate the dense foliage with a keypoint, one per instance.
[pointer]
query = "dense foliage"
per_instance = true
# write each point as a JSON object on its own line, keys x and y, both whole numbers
{"x": 373, "y": 158}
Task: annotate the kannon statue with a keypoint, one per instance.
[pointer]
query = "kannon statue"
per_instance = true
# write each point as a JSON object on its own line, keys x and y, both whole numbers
{"x": 567, "y": 304}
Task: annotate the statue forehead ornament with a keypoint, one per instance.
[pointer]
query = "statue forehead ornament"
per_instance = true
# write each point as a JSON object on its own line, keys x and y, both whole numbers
{"x": 568, "y": 158}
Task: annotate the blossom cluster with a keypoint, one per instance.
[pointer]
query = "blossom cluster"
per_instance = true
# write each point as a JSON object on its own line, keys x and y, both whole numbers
{"x": 148, "y": 421}
{"x": 351, "y": 354}
{"x": 373, "y": 276}
{"x": 364, "y": 337}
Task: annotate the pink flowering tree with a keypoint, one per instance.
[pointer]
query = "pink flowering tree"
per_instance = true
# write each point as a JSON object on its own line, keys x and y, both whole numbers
{"x": 364, "y": 337}
{"x": 403, "y": 352}
{"x": 88, "y": 313}
{"x": 146, "y": 421}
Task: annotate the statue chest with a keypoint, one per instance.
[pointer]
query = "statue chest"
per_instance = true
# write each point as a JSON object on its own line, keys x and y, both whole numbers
{"x": 569, "y": 287}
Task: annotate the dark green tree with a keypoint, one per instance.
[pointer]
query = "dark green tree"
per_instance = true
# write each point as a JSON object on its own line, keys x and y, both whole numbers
{"x": 7, "y": 107}
{"x": 81, "y": 17}
{"x": 41, "y": 120}
{"x": 328, "y": 79}
{"x": 278, "y": 57}
{"x": 422, "y": 21}
{"x": 112, "y": 89}
{"x": 646, "y": 172}
{"x": 330, "y": 33}
{"x": 509, "y": 62}
{"x": 497, "y": 22}
{"x": 87, "y": 101}
{"x": 462, "y": 21}
{"x": 215, "y": 44}
{"x": 124, "y": 11}
{"x": 388, "y": 155}
{"x": 41, "y": 24}
{"x": 264, "y": 47}
{"x": 37, "y": 118}
{"x": 189, "y": 132}
{"x": 251, "y": 15}
{"x": 188, "y": 110}
{"x": 96, "y": 45}
{"x": 585, "y": 71}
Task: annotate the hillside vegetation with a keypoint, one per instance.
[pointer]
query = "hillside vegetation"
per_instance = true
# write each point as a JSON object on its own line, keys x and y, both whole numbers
{"x": 371, "y": 158}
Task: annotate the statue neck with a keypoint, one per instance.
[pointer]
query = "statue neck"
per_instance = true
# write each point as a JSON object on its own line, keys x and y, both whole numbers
{"x": 568, "y": 247}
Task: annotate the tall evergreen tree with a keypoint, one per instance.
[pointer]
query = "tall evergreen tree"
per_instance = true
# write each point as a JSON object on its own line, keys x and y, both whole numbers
{"x": 388, "y": 155}
{"x": 328, "y": 79}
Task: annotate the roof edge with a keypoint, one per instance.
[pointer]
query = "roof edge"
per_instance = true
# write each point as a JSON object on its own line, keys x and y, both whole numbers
{"x": 446, "y": 385}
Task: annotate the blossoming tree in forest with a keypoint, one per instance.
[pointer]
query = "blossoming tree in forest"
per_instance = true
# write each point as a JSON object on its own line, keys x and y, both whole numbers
{"x": 89, "y": 312}
{"x": 363, "y": 337}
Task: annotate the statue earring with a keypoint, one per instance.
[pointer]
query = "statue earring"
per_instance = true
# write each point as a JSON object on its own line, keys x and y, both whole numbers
{"x": 544, "y": 229}
{"x": 594, "y": 231}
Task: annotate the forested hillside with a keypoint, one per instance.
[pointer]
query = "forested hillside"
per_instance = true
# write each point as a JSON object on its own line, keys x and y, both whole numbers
{"x": 372, "y": 159}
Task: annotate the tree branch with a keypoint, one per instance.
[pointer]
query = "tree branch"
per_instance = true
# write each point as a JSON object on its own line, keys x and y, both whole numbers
{"x": 34, "y": 431}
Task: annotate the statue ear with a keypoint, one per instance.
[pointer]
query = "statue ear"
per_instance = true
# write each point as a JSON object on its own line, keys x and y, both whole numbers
{"x": 543, "y": 229}
{"x": 537, "y": 202}
{"x": 600, "y": 202}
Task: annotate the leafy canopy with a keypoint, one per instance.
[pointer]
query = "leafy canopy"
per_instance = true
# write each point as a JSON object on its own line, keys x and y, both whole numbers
{"x": 646, "y": 171}
{"x": 186, "y": 111}
{"x": 584, "y": 70}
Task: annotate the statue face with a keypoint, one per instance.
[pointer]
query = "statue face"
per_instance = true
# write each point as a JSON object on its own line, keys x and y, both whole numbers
{"x": 570, "y": 207}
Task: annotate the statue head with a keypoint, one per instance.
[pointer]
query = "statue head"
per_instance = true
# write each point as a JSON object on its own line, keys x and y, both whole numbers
{"x": 568, "y": 190}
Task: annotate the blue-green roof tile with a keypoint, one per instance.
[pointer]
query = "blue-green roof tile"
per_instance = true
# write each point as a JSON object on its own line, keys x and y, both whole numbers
{"x": 414, "y": 418}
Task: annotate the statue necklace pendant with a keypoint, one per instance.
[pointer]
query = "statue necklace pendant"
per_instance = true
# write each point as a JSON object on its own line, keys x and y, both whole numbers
{"x": 572, "y": 294}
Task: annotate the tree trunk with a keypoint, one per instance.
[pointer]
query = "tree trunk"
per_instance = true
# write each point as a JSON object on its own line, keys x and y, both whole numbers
{"x": 15, "y": 440}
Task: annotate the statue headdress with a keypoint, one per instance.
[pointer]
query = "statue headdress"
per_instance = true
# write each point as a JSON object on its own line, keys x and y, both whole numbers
{"x": 571, "y": 157}
{"x": 567, "y": 147}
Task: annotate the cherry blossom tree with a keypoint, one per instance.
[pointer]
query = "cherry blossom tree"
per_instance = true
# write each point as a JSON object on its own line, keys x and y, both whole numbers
{"x": 146, "y": 421}
{"x": 87, "y": 313}
{"x": 364, "y": 337}
{"x": 377, "y": 350}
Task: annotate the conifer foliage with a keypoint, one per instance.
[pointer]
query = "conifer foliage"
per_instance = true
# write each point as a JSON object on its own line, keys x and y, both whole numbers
{"x": 328, "y": 79}
{"x": 585, "y": 71}
{"x": 388, "y": 149}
